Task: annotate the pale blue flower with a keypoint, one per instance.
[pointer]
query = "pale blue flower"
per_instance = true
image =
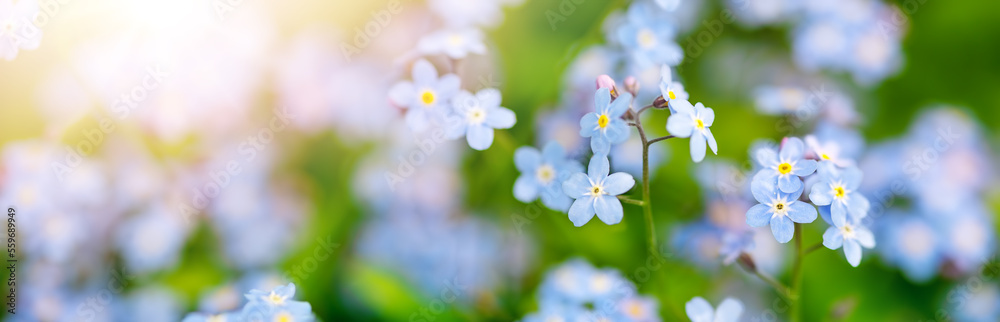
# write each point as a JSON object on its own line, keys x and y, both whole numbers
{"x": 699, "y": 310}
{"x": 912, "y": 243}
{"x": 777, "y": 208}
{"x": 152, "y": 240}
{"x": 648, "y": 37}
{"x": 668, "y": 5}
{"x": 786, "y": 167}
{"x": 670, "y": 89}
{"x": 694, "y": 122}
{"x": 456, "y": 43}
{"x": 852, "y": 236}
{"x": 475, "y": 116}
{"x": 542, "y": 174}
{"x": 605, "y": 127}
{"x": 276, "y": 305}
{"x": 205, "y": 317}
{"x": 596, "y": 193}
{"x": 839, "y": 190}
{"x": 426, "y": 97}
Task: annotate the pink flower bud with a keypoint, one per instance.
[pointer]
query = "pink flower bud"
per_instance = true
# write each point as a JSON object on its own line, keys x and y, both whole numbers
{"x": 632, "y": 85}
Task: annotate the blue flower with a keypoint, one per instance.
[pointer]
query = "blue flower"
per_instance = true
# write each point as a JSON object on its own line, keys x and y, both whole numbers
{"x": 426, "y": 98}
{"x": 596, "y": 192}
{"x": 648, "y": 37}
{"x": 477, "y": 116}
{"x": 694, "y": 122}
{"x": 852, "y": 236}
{"x": 276, "y": 305}
{"x": 605, "y": 127}
{"x": 839, "y": 190}
{"x": 786, "y": 166}
{"x": 777, "y": 208}
{"x": 543, "y": 174}
{"x": 912, "y": 243}
{"x": 203, "y": 317}
{"x": 699, "y": 310}
{"x": 669, "y": 89}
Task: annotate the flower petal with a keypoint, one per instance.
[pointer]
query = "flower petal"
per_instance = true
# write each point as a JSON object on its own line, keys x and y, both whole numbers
{"x": 699, "y": 310}
{"x": 802, "y": 212}
{"x": 682, "y": 107}
{"x": 501, "y": 118}
{"x": 697, "y": 147}
{"x": 489, "y": 97}
{"x": 864, "y": 237}
{"x": 804, "y": 167}
{"x": 710, "y": 138}
{"x": 601, "y": 99}
{"x": 555, "y": 199}
{"x": 789, "y": 183}
{"x": 599, "y": 167}
{"x": 527, "y": 159}
{"x": 525, "y": 188}
{"x": 853, "y": 252}
{"x": 618, "y": 183}
{"x": 553, "y": 152}
{"x": 609, "y": 209}
{"x": 680, "y": 125}
{"x": 588, "y": 125}
{"x": 424, "y": 73}
{"x": 479, "y": 137}
{"x": 617, "y": 132}
{"x": 766, "y": 157}
{"x": 832, "y": 238}
{"x": 581, "y": 211}
{"x": 838, "y": 214}
{"x": 729, "y": 310}
{"x": 763, "y": 186}
{"x": 857, "y": 206}
{"x": 792, "y": 149}
{"x": 852, "y": 178}
{"x": 759, "y": 215}
{"x": 782, "y": 228}
{"x": 449, "y": 85}
{"x": 576, "y": 186}
{"x": 600, "y": 145}
{"x": 707, "y": 114}
{"x": 620, "y": 105}
{"x": 403, "y": 94}
{"x": 821, "y": 194}
{"x": 666, "y": 77}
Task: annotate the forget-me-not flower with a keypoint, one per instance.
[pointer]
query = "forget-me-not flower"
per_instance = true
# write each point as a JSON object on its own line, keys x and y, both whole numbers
{"x": 426, "y": 97}
{"x": 777, "y": 208}
{"x": 852, "y": 236}
{"x": 648, "y": 37}
{"x": 456, "y": 43}
{"x": 694, "y": 122}
{"x": 839, "y": 190}
{"x": 699, "y": 310}
{"x": 543, "y": 173}
{"x": 669, "y": 89}
{"x": 596, "y": 193}
{"x": 475, "y": 116}
{"x": 276, "y": 305}
{"x": 787, "y": 165}
{"x": 16, "y": 28}
{"x": 604, "y": 126}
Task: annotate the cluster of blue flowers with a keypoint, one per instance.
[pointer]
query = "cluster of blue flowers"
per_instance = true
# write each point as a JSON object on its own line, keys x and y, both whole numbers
{"x": 263, "y": 306}
{"x": 778, "y": 187}
{"x": 576, "y": 291}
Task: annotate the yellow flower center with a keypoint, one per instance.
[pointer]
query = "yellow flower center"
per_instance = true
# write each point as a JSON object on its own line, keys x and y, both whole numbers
{"x": 698, "y": 123}
{"x": 634, "y": 310}
{"x": 839, "y": 192}
{"x": 476, "y": 116}
{"x": 283, "y": 317}
{"x": 779, "y": 206}
{"x": 217, "y": 318}
{"x": 603, "y": 121}
{"x": 646, "y": 38}
{"x": 427, "y": 97}
{"x": 671, "y": 95}
{"x": 275, "y": 299}
{"x": 784, "y": 168}
{"x": 596, "y": 190}
{"x": 825, "y": 156}
{"x": 455, "y": 39}
{"x": 847, "y": 231}
{"x": 545, "y": 174}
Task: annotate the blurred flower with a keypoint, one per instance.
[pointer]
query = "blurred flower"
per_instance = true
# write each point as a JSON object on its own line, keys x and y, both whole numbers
{"x": 276, "y": 305}
{"x": 699, "y": 310}
{"x": 981, "y": 303}
{"x": 910, "y": 242}
{"x": 668, "y": 5}
{"x": 694, "y": 122}
{"x": 838, "y": 189}
{"x": 605, "y": 127}
{"x": 542, "y": 174}
{"x": 777, "y": 208}
{"x": 568, "y": 290}
{"x": 852, "y": 236}
{"x": 17, "y": 28}
{"x": 152, "y": 240}
{"x": 596, "y": 192}
{"x": 785, "y": 167}
{"x": 477, "y": 116}
{"x": 648, "y": 38}
{"x": 456, "y": 43}
{"x": 426, "y": 97}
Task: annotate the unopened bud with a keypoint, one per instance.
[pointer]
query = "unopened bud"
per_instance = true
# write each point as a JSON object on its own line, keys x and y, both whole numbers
{"x": 605, "y": 81}
{"x": 659, "y": 102}
{"x": 747, "y": 262}
{"x": 632, "y": 85}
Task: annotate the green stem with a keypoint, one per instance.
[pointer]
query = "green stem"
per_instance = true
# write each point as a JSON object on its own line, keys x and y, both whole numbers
{"x": 796, "y": 292}
{"x": 647, "y": 207}
{"x": 628, "y": 200}
{"x": 813, "y": 248}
